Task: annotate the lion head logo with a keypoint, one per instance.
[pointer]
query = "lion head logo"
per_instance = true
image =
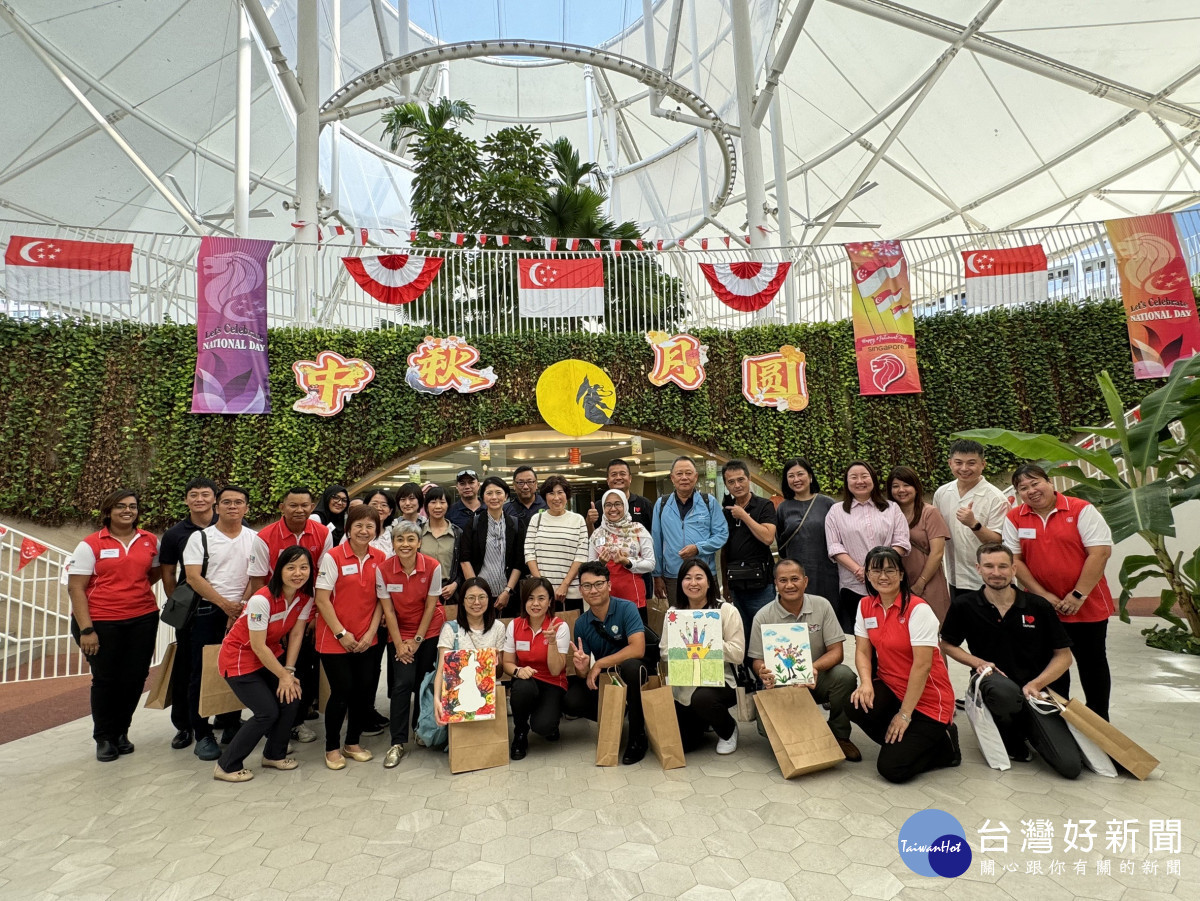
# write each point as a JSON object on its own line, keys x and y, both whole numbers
{"x": 885, "y": 369}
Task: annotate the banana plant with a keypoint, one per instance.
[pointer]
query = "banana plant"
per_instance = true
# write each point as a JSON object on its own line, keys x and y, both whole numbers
{"x": 1160, "y": 454}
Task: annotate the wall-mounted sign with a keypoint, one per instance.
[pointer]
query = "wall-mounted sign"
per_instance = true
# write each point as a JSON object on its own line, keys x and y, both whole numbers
{"x": 776, "y": 380}
{"x": 441, "y": 364}
{"x": 575, "y": 397}
{"x": 677, "y": 358}
{"x": 329, "y": 381}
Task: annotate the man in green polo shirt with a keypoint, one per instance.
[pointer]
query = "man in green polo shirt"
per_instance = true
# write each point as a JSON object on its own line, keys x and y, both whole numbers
{"x": 835, "y": 681}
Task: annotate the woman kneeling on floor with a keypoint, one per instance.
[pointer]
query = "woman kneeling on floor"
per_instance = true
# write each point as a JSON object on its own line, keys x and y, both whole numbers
{"x": 251, "y": 662}
{"x": 535, "y": 656}
{"x": 906, "y": 705}
{"x": 699, "y": 708}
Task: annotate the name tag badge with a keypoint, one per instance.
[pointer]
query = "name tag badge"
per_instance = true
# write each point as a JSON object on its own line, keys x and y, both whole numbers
{"x": 109, "y": 553}
{"x": 350, "y": 569}
{"x": 522, "y": 646}
{"x": 1026, "y": 533}
{"x": 393, "y": 587}
{"x": 871, "y": 622}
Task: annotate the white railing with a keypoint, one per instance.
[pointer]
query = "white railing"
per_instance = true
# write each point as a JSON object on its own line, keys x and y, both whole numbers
{"x": 476, "y": 291}
{"x": 36, "y": 642}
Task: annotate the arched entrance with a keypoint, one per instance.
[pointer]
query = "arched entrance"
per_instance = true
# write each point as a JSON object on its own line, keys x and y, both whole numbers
{"x": 583, "y": 461}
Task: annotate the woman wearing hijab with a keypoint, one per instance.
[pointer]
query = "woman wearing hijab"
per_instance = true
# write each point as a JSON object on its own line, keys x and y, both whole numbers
{"x": 331, "y": 512}
{"x": 626, "y": 547}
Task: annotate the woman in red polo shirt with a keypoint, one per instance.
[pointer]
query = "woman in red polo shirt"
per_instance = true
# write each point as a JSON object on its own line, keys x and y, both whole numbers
{"x": 535, "y": 655}
{"x": 907, "y": 705}
{"x": 251, "y": 661}
{"x": 115, "y": 617}
{"x": 350, "y": 612}
{"x": 411, "y": 582}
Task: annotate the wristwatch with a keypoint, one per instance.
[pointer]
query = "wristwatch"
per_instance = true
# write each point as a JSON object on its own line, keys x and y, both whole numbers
{"x": 418, "y": 638}
{"x": 977, "y": 527}
{"x": 88, "y": 631}
{"x": 340, "y": 635}
{"x": 1076, "y": 594}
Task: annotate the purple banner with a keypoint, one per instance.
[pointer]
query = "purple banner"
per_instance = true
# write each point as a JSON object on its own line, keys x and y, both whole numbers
{"x": 231, "y": 327}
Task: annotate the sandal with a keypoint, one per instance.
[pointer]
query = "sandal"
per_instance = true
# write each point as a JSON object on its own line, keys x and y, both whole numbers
{"x": 240, "y": 776}
{"x": 361, "y": 756}
{"x": 286, "y": 764}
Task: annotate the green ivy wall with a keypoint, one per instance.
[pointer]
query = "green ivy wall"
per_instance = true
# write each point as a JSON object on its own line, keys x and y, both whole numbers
{"x": 84, "y": 409}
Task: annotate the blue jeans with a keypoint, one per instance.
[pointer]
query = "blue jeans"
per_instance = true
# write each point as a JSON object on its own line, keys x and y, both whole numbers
{"x": 749, "y": 601}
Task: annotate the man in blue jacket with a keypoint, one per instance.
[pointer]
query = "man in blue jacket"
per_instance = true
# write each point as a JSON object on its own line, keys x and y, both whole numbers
{"x": 687, "y": 523}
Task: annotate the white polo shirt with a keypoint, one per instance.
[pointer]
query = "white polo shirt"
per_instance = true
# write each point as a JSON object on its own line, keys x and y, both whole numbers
{"x": 232, "y": 562}
{"x": 990, "y": 508}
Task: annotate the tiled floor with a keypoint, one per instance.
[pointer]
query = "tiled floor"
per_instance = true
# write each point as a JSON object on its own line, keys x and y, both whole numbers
{"x": 156, "y": 826}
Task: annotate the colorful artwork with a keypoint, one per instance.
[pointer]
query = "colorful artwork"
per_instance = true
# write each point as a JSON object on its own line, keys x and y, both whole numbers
{"x": 884, "y": 341}
{"x": 439, "y": 364}
{"x": 677, "y": 358}
{"x": 1157, "y": 293}
{"x": 788, "y": 654}
{"x": 329, "y": 381}
{"x": 469, "y": 685}
{"x": 575, "y": 397}
{"x": 776, "y": 380}
{"x": 695, "y": 647}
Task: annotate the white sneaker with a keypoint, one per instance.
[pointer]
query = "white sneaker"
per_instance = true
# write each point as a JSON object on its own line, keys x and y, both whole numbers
{"x": 304, "y": 734}
{"x": 728, "y": 745}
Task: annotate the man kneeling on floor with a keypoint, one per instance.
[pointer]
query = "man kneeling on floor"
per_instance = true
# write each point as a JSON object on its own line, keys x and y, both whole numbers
{"x": 835, "y": 681}
{"x": 1018, "y": 649}
{"x": 609, "y": 635}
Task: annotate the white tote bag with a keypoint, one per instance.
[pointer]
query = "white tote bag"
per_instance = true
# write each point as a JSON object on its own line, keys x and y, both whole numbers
{"x": 986, "y": 731}
{"x": 1093, "y": 756}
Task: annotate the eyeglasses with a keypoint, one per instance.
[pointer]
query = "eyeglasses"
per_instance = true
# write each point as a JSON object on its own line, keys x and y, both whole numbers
{"x": 615, "y": 505}
{"x": 592, "y": 586}
{"x": 525, "y": 483}
{"x": 125, "y": 507}
{"x": 885, "y": 573}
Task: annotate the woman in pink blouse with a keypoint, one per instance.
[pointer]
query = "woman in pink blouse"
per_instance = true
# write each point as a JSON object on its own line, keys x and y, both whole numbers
{"x": 863, "y": 520}
{"x": 928, "y": 534}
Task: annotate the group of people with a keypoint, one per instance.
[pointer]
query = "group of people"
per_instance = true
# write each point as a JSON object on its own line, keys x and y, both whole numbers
{"x": 340, "y": 584}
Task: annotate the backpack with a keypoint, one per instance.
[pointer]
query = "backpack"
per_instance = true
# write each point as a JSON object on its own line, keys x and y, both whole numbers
{"x": 427, "y": 728}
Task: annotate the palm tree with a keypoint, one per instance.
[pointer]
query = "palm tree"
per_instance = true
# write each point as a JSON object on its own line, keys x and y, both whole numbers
{"x": 575, "y": 209}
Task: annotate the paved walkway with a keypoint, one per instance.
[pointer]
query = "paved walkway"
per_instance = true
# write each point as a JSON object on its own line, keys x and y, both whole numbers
{"x": 156, "y": 826}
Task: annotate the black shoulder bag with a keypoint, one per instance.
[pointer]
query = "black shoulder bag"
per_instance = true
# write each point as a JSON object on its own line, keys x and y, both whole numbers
{"x": 180, "y": 607}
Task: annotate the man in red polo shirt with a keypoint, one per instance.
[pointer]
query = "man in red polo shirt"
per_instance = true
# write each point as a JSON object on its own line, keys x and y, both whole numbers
{"x": 1060, "y": 545}
{"x": 294, "y": 527}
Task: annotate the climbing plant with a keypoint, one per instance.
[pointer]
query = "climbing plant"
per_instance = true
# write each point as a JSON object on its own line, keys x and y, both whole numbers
{"x": 85, "y": 408}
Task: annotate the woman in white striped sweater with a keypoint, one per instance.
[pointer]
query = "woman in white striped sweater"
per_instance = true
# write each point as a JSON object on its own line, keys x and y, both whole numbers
{"x": 556, "y": 543}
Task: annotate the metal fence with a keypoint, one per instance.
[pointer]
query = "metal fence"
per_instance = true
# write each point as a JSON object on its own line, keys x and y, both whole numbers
{"x": 476, "y": 293}
{"x": 36, "y": 642}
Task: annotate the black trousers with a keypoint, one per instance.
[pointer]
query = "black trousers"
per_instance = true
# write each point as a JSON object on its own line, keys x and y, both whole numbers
{"x": 377, "y": 652}
{"x": 351, "y": 680}
{"x": 584, "y": 702}
{"x": 709, "y": 707}
{"x": 181, "y": 674}
{"x": 1088, "y": 644}
{"x": 119, "y": 669}
{"x": 1017, "y": 721}
{"x": 207, "y": 627}
{"x": 406, "y": 682}
{"x": 926, "y": 744}
{"x": 847, "y": 609}
{"x": 308, "y": 671}
{"x": 274, "y": 720}
{"x": 536, "y": 705}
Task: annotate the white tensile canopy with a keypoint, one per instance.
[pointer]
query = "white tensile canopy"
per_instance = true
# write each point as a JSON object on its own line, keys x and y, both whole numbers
{"x": 904, "y": 121}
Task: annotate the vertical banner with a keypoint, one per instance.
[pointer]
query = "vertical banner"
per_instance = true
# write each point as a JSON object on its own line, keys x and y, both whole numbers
{"x": 883, "y": 320}
{"x": 1157, "y": 293}
{"x": 231, "y": 327}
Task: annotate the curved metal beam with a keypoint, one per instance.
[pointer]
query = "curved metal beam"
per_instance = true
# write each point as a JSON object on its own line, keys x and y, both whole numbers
{"x": 654, "y": 79}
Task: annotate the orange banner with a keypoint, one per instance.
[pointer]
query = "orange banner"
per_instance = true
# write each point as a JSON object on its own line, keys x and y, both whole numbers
{"x": 883, "y": 321}
{"x": 1157, "y": 293}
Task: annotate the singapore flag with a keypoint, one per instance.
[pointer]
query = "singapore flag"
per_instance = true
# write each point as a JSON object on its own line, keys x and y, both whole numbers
{"x": 561, "y": 288}
{"x": 1008, "y": 276}
{"x": 50, "y": 270}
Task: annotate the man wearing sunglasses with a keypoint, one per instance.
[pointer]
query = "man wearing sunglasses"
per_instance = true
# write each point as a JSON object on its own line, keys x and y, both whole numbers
{"x": 608, "y": 635}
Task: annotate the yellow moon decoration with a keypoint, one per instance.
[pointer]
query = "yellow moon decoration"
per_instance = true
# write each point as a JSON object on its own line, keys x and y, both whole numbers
{"x": 576, "y": 397}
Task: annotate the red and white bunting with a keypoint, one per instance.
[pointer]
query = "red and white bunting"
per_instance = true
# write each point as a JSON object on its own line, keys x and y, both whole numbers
{"x": 746, "y": 285}
{"x": 388, "y": 237}
{"x": 394, "y": 278}
{"x": 30, "y": 551}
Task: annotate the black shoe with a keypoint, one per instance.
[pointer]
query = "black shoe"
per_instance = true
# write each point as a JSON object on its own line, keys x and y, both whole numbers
{"x": 520, "y": 746}
{"x": 106, "y": 751}
{"x": 124, "y": 745}
{"x": 635, "y": 750}
{"x": 1023, "y": 754}
{"x": 182, "y": 739}
{"x": 228, "y": 733}
{"x": 955, "y": 750}
{"x": 207, "y": 748}
{"x": 552, "y": 736}
{"x": 312, "y": 714}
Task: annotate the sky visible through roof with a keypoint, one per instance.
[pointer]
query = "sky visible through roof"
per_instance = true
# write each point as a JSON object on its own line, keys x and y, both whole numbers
{"x": 546, "y": 20}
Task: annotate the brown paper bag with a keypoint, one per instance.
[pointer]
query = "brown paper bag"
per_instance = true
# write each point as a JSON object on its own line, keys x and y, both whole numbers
{"x": 1112, "y": 741}
{"x": 798, "y": 733}
{"x": 656, "y": 612}
{"x": 323, "y": 689}
{"x": 480, "y": 744}
{"x": 610, "y": 717}
{"x": 159, "y": 697}
{"x": 662, "y": 725}
{"x": 216, "y": 697}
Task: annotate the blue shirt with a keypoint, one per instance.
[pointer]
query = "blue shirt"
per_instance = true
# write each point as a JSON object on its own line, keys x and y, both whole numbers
{"x": 622, "y": 621}
{"x": 703, "y": 524}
